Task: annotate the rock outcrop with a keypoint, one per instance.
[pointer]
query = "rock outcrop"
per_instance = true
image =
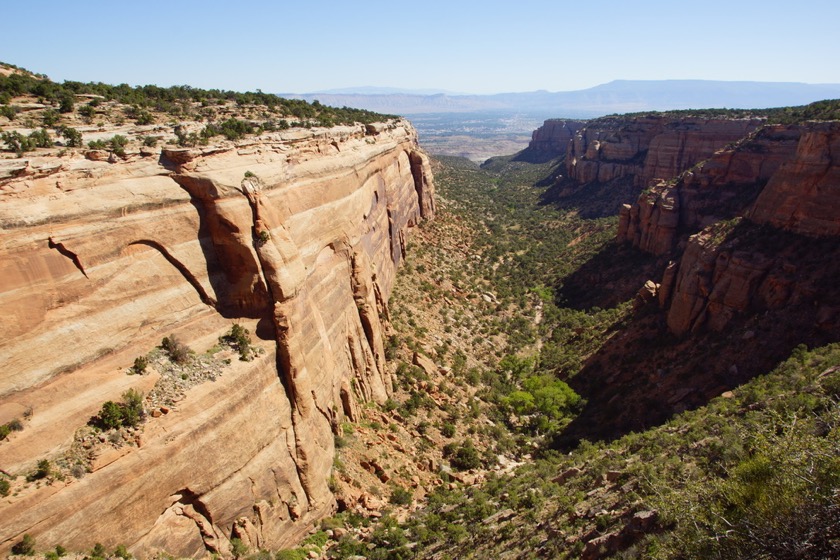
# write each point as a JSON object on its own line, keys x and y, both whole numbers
{"x": 782, "y": 178}
{"x": 553, "y": 137}
{"x": 719, "y": 188}
{"x": 298, "y": 234}
{"x": 804, "y": 195}
{"x": 648, "y": 148}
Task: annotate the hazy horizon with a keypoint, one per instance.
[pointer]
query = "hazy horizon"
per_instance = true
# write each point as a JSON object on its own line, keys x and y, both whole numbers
{"x": 387, "y": 90}
{"x": 501, "y": 47}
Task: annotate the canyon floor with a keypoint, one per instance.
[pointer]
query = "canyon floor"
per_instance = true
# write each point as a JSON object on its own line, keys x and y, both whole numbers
{"x": 473, "y": 325}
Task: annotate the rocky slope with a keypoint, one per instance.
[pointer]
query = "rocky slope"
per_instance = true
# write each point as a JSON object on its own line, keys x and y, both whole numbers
{"x": 296, "y": 235}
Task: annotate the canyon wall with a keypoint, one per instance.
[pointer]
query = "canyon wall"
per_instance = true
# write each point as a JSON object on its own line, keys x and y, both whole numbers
{"x": 718, "y": 188}
{"x": 553, "y": 137}
{"x": 753, "y": 228}
{"x": 647, "y": 148}
{"x": 296, "y": 235}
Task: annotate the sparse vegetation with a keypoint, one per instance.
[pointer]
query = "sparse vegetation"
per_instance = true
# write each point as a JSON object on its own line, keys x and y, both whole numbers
{"x": 13, "y": 425}
{"x": 127, "y": 413}
{"x": 44, "y": 469}
{"x": 239, "y": 338}
{"x": 24, "y": 547}
{"x": 20, "y": 144}
{"x": 177, "y": 351}
{"x": 181, "y": 101}
{"x": 140, "y": 365}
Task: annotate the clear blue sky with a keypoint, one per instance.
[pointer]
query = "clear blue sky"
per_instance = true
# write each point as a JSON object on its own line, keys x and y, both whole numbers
{"x": 474, "y": 47}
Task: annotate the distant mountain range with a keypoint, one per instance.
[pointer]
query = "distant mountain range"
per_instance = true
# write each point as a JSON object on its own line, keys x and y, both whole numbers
{"x": 619, "y": 96}
{"x": 376, "y": 90}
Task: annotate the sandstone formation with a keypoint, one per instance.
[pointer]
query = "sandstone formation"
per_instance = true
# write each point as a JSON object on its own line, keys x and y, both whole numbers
{"x": 553, "y": 137}
{"x": 781, "y": 177}
{"x": 647, "y": 148}
{"x": 721, "y": 187}
{"x": 296, "y": 234}
{"x": 804, "y": 195}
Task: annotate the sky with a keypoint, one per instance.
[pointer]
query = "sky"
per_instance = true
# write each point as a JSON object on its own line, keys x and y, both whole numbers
{"x": 454, "y": 45}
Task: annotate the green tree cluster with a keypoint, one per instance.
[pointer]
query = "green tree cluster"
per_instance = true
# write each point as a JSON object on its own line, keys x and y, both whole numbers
{"x": 127, "y": 413}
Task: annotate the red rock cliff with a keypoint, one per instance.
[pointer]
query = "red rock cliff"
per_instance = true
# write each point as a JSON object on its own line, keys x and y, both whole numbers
{"x": 719, "y": 188}
{"x": 296, "y": 234}
{"x": 804, "y": 194}
{"x": 647, "y": 148}
{"x": 553, "y": 136}
{"x": 780, "y": 184}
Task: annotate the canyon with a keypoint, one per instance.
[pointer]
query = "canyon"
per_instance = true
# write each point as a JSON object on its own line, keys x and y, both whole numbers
{"x": 735, "y": 239}
{"x": 699, "y": 177}
{"x": 296, "y": 235}
{"x": 584, "y": 295}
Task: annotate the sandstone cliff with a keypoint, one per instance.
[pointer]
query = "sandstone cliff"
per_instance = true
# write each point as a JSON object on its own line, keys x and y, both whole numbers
{"x": 648, "y": 147}
{"x": 297, "y": 235}
{"x": 782, "y": 178}
{"x": 553, "y": 137}
{"x": 721, "y": 187}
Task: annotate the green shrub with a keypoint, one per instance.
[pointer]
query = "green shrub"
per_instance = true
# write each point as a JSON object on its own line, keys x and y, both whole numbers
{"x": 144, "y": 118}
{"x": 72, "y": 136}
{"x": 25, "y": 547}
{"x": 118, "y": 144}
{"x": 14, "y": 425}
{"x": 291, "y": 554}
{"x": 110, "y": 415}
{"x": 42, "y": 470}
{"x": 140, "y": 364}
{"x": 400, "y": 496}
{"x": 5, "y": 487}
{"x": 239, "y": 339}
{"x": 462, "y": 456}
{"x": 98, "y": 552}
{"x": 66, "y": 103}
{"x": 150, "y": 141}
{"x": 17, "y": 142}
{"x": 132, "y": 407}
{"x": 41, "y": 138}
{"x": 114, "y": 415}
{"x": 87, "y": 111}
{"x": 50, "y": 117}
{"x": 238, "y": 548}
{"x": 9, "y": 111}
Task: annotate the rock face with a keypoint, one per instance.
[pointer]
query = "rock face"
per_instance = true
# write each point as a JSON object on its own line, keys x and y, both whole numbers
{"x": 553, "y": 137}
{"x": 721, "y": 187}
{"x": 298, "y": 234}
{"x": 804, "y": 195}
{"x": 647, "y": 148}
{"x": 781, "y": 178}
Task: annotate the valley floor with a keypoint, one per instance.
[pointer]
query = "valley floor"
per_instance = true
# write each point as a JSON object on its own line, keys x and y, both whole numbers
{"x": 492, "y": 329}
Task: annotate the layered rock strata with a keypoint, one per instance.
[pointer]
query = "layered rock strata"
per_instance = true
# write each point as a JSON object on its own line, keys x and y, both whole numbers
{"x": 719, "y": 188}
{"x": 297, "y": 234}
{"x": 647, "y": 148}
{"x": 803, "y": 196}
{"x": 782, "y": 178}
{"x": 553, "y": 137}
